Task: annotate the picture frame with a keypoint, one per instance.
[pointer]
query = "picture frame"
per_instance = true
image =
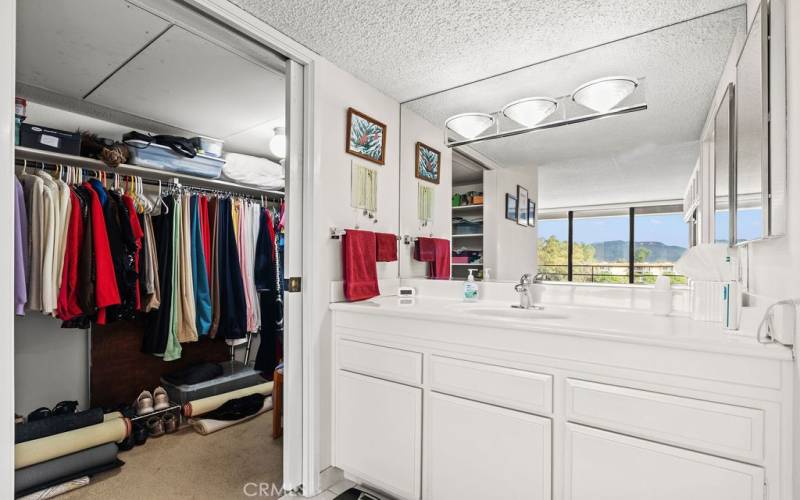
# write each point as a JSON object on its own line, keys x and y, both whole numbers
{"x": 428, "y": 163}
{"x": 366, "y": 137}
{"x": 522, "y": 206}
{"x": 511, "y": 207}
{"x": 531, "y": 213}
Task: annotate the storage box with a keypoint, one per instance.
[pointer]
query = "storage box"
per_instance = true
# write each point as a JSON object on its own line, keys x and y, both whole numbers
{"x": 468, "y": 228}
{"x": 235, "y": 376}
{"x": 208, "y": 146}
{"x": 164, "y": 158}
{"x": 49, "y": 139}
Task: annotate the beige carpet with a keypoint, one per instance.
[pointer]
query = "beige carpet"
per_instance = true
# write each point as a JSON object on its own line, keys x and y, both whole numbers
{"x": 187, "y": 465}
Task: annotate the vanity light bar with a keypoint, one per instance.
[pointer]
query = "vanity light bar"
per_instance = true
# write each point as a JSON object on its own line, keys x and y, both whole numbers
{"x": 563, "y": 103}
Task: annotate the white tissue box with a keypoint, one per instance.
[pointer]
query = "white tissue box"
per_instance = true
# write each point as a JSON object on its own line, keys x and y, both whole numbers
{"x": 706, "y": 298}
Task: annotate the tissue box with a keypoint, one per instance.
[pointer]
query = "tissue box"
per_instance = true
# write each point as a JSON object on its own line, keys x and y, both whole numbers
{"x": 706, "y": 299}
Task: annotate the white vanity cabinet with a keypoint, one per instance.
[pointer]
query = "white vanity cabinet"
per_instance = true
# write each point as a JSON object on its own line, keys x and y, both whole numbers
{"x": 476, "y": 450}
{"x": 603, "y": 465}
{"x": 437, "y": 410}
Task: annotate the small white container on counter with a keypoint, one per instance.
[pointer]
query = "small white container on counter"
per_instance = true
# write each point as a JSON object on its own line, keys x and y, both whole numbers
{"x": 661, "y": 298}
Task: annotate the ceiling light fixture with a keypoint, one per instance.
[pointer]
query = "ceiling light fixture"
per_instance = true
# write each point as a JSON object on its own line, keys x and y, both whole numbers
{"x": 604, "y": 94}
{"x": 530, "y": 111}
{"x": 469, "y": 125}
{"x": 277, "y": 144}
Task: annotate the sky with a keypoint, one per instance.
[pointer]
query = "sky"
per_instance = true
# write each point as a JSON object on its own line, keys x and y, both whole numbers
{"x": 666, "y": 228}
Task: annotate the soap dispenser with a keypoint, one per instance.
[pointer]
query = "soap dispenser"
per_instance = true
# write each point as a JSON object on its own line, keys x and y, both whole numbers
{"x": 470, "y": 288}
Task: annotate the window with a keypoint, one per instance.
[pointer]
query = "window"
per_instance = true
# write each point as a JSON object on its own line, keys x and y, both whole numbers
{"x": 661, "y": 239}
{"x": 600, "y": 246}
{"x": 553, "y": 248}
{"x": 632, "y": 245}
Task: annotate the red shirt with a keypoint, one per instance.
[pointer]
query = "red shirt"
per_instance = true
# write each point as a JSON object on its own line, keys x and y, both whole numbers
{"x": 205, "y": 232}
{"x": 106, "y": 291}
{"x": 68, "y": 304}
{"x": 138, "y": 233}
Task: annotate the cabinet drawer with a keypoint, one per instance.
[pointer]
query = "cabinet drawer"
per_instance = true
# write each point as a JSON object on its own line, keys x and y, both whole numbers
{"x": 602, "y": 465}
{"x": 509, "y": 387}
{"x": 716, "y": 428}
{"x": 383, "y": 362}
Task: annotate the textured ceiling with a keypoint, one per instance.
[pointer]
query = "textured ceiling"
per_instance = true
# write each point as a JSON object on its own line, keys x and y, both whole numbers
{"x": 610, "y": 160}
{"x": 409, "y": 49}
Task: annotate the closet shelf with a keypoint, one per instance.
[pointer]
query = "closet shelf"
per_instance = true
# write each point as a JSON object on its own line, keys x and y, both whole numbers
{"x": 466, "y": 207}
{"x": 23, "y": 153}
{"x": 473, "y": 235}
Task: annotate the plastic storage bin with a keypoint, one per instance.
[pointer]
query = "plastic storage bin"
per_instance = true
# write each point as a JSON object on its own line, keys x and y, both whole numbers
{"x": 234, "y": 377}
{"x": 208, "y": 146}
{"x": 163, "y": 158}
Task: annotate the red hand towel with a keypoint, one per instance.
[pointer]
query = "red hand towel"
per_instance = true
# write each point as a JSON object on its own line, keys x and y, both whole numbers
{"x": 424, "y": 249}
{"x": 359, "y": 252}
{"x": 440, "y": 267}
{"x": 387, "y": 247}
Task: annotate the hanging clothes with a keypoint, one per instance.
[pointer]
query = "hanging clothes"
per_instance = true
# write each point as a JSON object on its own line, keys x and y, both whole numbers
{"x": 51, "y": 224}
{"x": 159, "y": 322}
{"x": 65, "y": 209}
{"x": 69, "y": 306}
{"x": 20, "y": 249}
{"x": 106, "y": 293}
{"x": 151, "y": 286}
{"x": 33, "y": 189}
{"x": 173, "y": 348}
{"x": 213, "y": 282}
{"x": 202, "y": 298}
{"x": 270, "y": 301}
{"x": 137, "y": 234}
{"x": 233, "y": 308}
{"x": 205, "y": 231}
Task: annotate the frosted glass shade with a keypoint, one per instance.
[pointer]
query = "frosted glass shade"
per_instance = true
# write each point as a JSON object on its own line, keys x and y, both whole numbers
{"x": 469, "y": 125}
{"x": 277, "y": 144}
{"x": 604, "y": 94}
{"x": 530, "y": 111}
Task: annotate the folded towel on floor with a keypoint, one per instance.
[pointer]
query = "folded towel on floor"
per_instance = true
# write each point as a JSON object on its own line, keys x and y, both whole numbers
{"x": 253, "y": 171}
{"x": 386, "y": 247}
{"x": 206, "y": 426}
{"x": 57, "y": 468}
{"x": 359, "y": 255}
{"x": 56, "y": 425}
{"x": 89, "y": 471}
{"x": 59, "y": 489}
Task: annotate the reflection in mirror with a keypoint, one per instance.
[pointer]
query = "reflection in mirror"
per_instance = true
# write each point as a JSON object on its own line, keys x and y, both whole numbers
{"x": 609, "y": 192}
{"x": 723, "y": 158}
{"x": 751, "y": 146}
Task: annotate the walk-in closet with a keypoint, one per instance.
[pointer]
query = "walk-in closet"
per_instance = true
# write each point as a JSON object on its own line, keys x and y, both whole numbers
{"x": 151, "y": 241}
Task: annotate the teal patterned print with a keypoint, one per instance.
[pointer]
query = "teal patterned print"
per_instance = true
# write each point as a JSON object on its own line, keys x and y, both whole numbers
{"x": 366, "y": 138}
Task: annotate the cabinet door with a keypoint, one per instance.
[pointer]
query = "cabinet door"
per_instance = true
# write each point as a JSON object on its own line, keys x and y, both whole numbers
{"x": 607, "y": 466}
{"x": 479, "y": 451}
{"x": 378, "y": 434}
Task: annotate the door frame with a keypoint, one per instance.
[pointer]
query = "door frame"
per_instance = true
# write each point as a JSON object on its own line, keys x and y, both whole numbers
{"x": 301, "y": 434}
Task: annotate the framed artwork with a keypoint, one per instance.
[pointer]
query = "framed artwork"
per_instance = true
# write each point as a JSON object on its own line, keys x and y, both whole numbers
{"x": 522, "y": 206}
{"x": 366, "y": 137}
{"x": 428, "y": 163}
{"x": 511, "y": 207}
{"x": 531, "y": 213}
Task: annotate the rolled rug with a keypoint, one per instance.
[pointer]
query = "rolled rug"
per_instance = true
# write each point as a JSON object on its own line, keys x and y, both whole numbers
{"x": 59, "y": 489}
{"x": 50, "y": 447}
{"x": 206, "y": 426}
{"x": 45, "y": 472}
{"x": 56, "y": 425}
{"x": 91, "y": 472}
{"x": 205, "y": 405}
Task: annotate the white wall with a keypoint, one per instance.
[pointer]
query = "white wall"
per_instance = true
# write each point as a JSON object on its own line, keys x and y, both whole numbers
{"x": 51, "y": 364}
{"x": 414, "y": 128}
{"x": 509, "y": 249}
{"x": 335, "y": 91}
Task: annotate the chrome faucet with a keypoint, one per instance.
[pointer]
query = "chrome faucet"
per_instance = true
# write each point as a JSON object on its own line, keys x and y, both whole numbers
{"x": 523, "y": 288}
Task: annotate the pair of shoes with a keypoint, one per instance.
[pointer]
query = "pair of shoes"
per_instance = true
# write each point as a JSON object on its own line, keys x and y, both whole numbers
{"x": 62, "y": 408}
{"x": 148, "y": 403}
{"x": 158, "y": 425}
{"x": 140, "y": 434}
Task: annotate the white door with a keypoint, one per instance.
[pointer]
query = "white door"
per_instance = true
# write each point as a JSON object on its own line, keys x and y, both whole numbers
{"x": 378, "y": 433}
{"x": 603, "y": 465}
{"x": 479, "y": 451}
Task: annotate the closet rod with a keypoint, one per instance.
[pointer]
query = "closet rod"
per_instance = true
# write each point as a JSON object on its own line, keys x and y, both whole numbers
{"x": 37, "y": 155}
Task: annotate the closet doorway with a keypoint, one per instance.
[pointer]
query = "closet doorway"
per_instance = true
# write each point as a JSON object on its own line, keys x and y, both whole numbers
{"x": 104, "y": 68}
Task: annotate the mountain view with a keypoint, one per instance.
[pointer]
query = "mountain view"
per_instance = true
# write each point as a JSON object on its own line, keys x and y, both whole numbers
{"x": 614, "y": 251}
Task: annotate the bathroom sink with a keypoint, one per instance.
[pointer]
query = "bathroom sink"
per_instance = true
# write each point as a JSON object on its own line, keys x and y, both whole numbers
{"x": 513, "y": 313}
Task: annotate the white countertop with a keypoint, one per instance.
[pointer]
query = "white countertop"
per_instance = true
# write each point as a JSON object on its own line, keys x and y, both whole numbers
{"x": 619, "y": 325}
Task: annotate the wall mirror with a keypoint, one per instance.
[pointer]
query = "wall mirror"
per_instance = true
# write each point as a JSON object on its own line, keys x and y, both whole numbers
{"x": 606, "y": 194}
{"x": 724, "y": 155}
